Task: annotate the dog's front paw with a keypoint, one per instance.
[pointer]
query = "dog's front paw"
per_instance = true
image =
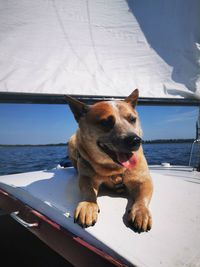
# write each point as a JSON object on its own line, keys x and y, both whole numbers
{"x": 86, "y": 213}
{"x": 139, "y": 218}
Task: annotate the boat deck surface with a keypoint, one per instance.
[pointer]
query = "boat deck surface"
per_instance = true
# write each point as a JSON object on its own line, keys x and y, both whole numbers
{"x": 174, "y": 239}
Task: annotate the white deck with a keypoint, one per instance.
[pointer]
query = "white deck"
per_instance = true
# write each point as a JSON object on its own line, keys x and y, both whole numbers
{"x": 174, "y": 239}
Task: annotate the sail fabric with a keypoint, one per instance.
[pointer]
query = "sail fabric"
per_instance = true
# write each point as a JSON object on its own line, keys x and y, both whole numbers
{"x": 101, "y": 47}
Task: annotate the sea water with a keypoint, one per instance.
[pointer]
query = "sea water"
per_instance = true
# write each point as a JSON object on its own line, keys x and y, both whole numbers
{"x": 33, "y": 158}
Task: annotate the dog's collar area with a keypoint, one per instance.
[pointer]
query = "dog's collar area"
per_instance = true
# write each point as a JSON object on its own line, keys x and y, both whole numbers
{"x": 120, "y": 188}
{"x": 118, "y": 183}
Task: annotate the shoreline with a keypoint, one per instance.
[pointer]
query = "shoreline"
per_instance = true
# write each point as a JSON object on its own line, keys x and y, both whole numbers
{"x": 156, "y": 141}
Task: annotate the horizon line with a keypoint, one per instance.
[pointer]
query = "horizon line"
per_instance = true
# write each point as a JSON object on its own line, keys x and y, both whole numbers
{"x": 144, "y": 141}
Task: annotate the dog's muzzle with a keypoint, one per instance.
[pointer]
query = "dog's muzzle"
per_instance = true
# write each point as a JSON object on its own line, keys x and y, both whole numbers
{"x": 121, "y": 149}
{"x": 127, "y": 143}
{"x": 132, "y": 142}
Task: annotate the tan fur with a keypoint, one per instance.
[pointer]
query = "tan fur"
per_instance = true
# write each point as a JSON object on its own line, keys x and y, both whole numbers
{"x": 96, "y": 168}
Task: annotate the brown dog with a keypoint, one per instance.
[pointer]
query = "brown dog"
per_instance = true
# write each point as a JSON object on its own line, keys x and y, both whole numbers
{"x": 106, "y": 149}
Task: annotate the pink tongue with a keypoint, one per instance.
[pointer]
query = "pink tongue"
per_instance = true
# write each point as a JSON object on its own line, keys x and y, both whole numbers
{"x": 127, "y": 162}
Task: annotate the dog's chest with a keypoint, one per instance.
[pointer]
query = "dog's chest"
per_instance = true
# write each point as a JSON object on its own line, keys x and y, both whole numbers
{"x": 116, "y": 183}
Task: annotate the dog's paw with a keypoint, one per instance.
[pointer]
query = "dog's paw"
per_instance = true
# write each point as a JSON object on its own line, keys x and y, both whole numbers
{"x": 86, "y": 213}
{"x": 139, "y": 218}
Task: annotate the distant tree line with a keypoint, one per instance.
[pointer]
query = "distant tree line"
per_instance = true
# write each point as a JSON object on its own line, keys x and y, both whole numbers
{"x": 25, "y": 145}
{"x": 168, "y": 141}
{"x": 157, "y": 141}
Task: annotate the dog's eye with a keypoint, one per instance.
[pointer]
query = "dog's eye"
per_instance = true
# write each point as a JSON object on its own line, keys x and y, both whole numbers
{"x": 132, "y": 119}
{"x": 108, "y": 123}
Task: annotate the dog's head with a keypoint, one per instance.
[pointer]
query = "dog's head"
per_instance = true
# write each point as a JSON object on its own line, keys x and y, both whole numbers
{"x": 110, "y": 129}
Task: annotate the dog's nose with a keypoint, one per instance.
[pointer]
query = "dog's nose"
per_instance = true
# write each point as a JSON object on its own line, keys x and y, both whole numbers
{"x": 132, "y": 141}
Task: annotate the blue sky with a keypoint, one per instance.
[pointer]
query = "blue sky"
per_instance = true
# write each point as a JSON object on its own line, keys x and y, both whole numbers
{"x": 44, "y": 124}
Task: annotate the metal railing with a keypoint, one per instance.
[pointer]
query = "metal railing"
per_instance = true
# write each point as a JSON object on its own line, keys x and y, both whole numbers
{"x": 197, "y": 141}
{"x": 37, "y": 98}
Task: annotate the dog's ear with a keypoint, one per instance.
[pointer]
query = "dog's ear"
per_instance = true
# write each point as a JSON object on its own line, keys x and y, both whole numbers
{"x": 77, "y": 107}
{"x": 132, "y": 98}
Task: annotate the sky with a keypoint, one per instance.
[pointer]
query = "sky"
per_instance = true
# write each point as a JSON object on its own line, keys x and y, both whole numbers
{"x": 45, "y": 124}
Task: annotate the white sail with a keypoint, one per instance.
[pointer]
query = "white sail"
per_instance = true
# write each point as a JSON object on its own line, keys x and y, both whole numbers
{"x": 101, "y": 47}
